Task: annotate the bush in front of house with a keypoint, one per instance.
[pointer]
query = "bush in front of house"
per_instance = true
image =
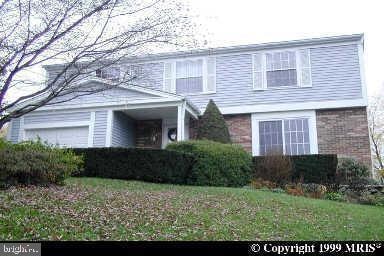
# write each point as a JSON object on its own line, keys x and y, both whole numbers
{"x": 212, "y": 126}
{"x": 35, "y": 163}
{"x": 275, "y": 168}
{"x": 316, "y": 168}
{"x": 151, "y": 165}
{"x": 350, "y": 171}
{"x": 217, "y": 164}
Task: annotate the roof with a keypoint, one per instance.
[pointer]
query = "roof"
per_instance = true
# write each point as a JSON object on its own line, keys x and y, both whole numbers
{"x": 162, "y": 94}
{"x": 244, "y": 48}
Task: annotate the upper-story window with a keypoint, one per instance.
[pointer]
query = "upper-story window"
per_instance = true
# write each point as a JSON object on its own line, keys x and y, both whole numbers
{"x": 190, "y": 76}
{"x": 111, "y": 73}
{"x": 281, "y": 69}
{"x": 133, "y": 73}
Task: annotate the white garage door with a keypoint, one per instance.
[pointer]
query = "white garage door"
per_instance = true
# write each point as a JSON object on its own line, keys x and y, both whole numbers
{"x": 75, "y": 137}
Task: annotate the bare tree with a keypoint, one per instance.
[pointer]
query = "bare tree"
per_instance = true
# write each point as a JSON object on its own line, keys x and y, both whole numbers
{"x": 376, "y": 131}
{"x": 82, "y": 35}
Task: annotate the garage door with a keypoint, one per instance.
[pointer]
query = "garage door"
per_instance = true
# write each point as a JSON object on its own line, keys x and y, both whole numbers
{"x": 76, "y": 137}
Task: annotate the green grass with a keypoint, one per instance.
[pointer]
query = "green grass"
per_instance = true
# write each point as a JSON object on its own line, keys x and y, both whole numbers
{"x": 102, "y": 209}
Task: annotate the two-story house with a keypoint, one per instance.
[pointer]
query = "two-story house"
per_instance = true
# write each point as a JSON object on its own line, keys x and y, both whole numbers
{"x": 300, "y": 97}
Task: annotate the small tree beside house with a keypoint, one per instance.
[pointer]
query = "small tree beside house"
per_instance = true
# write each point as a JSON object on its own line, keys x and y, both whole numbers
{"x": 212, "y": 125}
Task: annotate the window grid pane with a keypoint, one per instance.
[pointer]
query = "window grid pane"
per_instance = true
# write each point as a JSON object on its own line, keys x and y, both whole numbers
{"x": 296, "y": 134}
{"x": 282, "y": 78}
{"x": 271, "y": 137}
{"x": 189, "y": 85}
{"x": 110, "y": 73}
{"x": 189, "y": 76}
{"x": 281, "y": 69}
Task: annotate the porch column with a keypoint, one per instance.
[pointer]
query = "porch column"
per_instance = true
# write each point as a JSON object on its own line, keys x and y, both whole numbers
{"x": 180, "y": 121}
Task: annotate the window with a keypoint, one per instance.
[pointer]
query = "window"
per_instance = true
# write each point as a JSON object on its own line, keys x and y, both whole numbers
{"x": 271, "y": 137}
{"x": 111, "y": 73}
{"x": 189, "y": 76}
{"x": 133, "y": 72}
{"x": 288, "y": 136}
{"x": 296, "y": 134}
{"x": 279, "y": 69}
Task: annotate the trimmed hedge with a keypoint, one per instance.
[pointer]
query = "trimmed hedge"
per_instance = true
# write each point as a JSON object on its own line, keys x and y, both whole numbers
{"x": 35, "y": 163}
{"x": 316, "y": 168}
{"x": 217, "y": 164}
{"x": 152, "y": 165}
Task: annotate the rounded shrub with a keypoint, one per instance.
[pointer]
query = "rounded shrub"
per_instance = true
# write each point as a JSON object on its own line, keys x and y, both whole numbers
{"x": 35, "y": 163}
{"x": 350, "y": 170}
{"x": 217, "y": 164}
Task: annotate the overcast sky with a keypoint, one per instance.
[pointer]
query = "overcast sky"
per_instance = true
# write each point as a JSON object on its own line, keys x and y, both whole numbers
{"x": 232, "y": 22}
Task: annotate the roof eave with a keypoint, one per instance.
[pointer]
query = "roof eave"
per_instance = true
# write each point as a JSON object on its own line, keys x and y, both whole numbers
{"x": 243, "y": 48}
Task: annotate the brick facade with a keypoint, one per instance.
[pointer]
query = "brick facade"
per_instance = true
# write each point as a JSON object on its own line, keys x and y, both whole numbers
{"x": 344, "y": 132}
{"x": 339, "y": 131}
{"x": 149, "y": 133}
{"x": 239, "y": 127}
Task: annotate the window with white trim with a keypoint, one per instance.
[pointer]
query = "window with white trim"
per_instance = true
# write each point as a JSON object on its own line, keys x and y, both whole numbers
{"x": 134, "y": 71}
{"x": 190, "y": 76}
{"x": 288, "y": 136}
{"x": 281, "y": 69}
{"x": 111, "y": 73}
{"x": 271, "y": 137}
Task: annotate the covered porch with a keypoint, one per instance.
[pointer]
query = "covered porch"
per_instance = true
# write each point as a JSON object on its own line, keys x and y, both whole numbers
{"x": 150, "y": 125}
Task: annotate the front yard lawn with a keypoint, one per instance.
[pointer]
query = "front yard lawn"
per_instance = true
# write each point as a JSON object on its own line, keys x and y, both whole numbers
{"x": 103, "y": 209}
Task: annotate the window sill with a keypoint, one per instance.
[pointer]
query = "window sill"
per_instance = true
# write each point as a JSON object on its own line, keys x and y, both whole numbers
{"x": 196, "y": 93}
{"x": 281, "y": 88}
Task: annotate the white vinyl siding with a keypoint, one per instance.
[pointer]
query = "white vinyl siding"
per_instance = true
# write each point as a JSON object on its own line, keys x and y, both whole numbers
{"x": 281, "y": 69}
{"x": 190, "y": 76}
{"x": 14, "y": 130}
